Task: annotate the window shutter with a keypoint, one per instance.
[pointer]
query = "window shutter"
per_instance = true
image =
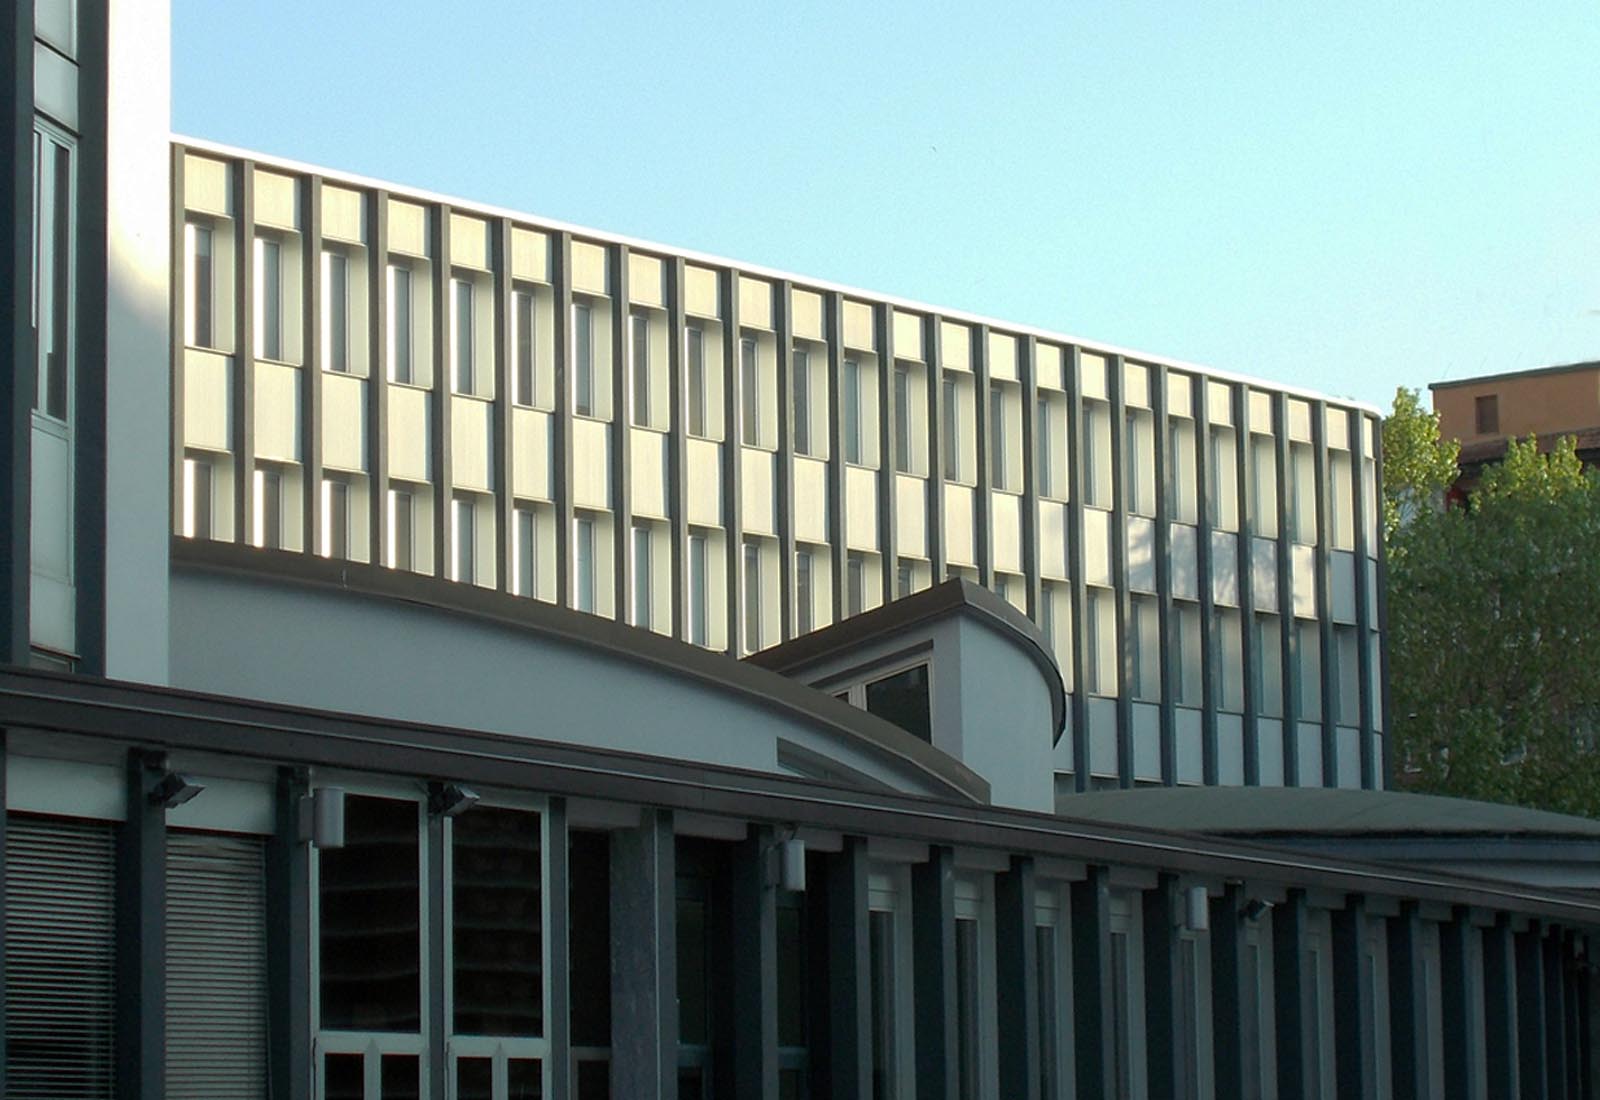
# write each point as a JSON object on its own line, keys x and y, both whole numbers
{"x": 60, "y": 962}
{"x": 216, "y": 967}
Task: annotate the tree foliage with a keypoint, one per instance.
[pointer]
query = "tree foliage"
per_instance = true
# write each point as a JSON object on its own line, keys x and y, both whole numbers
{"x": 1493, "y": 610}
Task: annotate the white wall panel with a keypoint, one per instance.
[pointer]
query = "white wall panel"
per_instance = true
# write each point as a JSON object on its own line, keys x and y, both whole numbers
{"x": 647, "y": 457}
{"x": 704, "y": 504}
{"x": 1096, "y": 546}
{"x": 861, "y": 508}
{"x": 342, "y": 214}
{"x": 908, "y": 336}
{"x": 530, "y": 454}
{"x": 1053, "y": 539}
{"x": 755, "y": 302}
{"x": 911, "y": 515}
{"x": 859, "y": 332}
{"x": 1005, "y": 518}
{"x": 55, "y": 86}
{"x": 959, "y": 528}
{"x": 1147, "y": 742}
{"x": 344, "y": 421}
{"x": 1343, "y": 577}
{"x": 1230, "y": 750}
{"x": 207, "y": 400}
{"x": 591, "y": 463}
{"x": 805, "y": 314}
{"x": 471, "y": 439}
{"x": 1303, "y": 575}
{"x": 1103, "y": 736}
{"x": 469, "y": 242}
{"x": 955, "y": 345}
{"x": 1141, "y": 554}
{"x": 810, "y": 500}
{"x": 1309, "y": 744}
{"x": 758, "y": 491}
{"x": 1185, "y": 562}
{"x": 1187, "y": 742}
{"x": 1003, "y": 356}
{"x": 1269, "y": 751}
{"x": 702, "y": 292}
{"x": 205, "y": 186}
{"x": 530, "y": 255}
{"x": 409, "y": 452}
{"x": 1347, "y": 745}
{"x": 1225, "y": 568}
{"x": 277, "y": 412}
{"x": 408, "y": 228}
{"x": 590, "y": 267}
{"x": 646, "y": 280}
{"x": 277, "y": 200}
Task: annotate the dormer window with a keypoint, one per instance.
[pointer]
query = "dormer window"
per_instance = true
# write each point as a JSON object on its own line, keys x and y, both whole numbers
{"x": 901, "y": 697}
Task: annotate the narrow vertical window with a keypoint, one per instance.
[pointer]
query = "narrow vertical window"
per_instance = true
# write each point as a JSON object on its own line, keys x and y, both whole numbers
{"x": 269, "y": 509}
{"x": 749, "y": 393}
{"x": 197, "y": 520}
{"x": 967, "y": 1032}
{"x": 804, "y": 599}
{"x": 856, "y": 587}
{"x": 1050, "y": 1023}
{"x": 1043, "y": 477}
{"x": 800, "y": 380}
{"x": 883, "y": 1000}
{"x": 335, "y": 311}
{"x": 583, "y": 556}
{"x": 335, "y": 519}
{"x": 269, "y": 299}
{"x": 699, "y": 593}
{"x": 904, "y": 579}
{"x": 464, "y": 524}
{"x": 461, "y": 349}
{"x": 53, "y": 277}
{"x": 202, "y": 288}
{"x": 752, "y": 596}
{"x": 997, "y": 437}
{"x": 527, "y": 552}
{"x": 852, "y": 411}
{"x": 1121, "y": 1017}
{"x": 639, "y": 367}
{"x": 402, "y": 530}
{"x": 1486, "y": 414}
{"x": 522, "y": 323}
{"x": 582, "y": 360}
{"x": 1133, "y": 499}
{"x": 400, "y": 325}
{"x": 694, "y": 349}
{"x": 950, "y": 430}
{"x": 641, "y": 576}
{"x": 902, "y": 418}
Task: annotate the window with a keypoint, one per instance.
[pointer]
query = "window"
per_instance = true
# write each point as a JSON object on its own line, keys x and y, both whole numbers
{"x": 1269, "y": 666}
{"x": 582, "y": 359}
{"x": 1264, "y": 484}
{"x": 200, "y": 314}
{"x": 800, "y": 380}
{"x": 1186, "y": 681}
{"x": 583, "y": 595}
{"x": 401, "y": 325}
{"x": 1144, "y": 648}
{"x": 804, "y": 592}
{"x": 852, "y": 411}
{"x": 335, "y": 311}
{"x": 198, "y": 521}
{"x": 526, "y": 551}
{"x": 1227, "y": 668}
{"x": 463, "y": 369}
{"x": 52, "y": 274}
{"x": 1308, "y": 668}
{"x": 335, "y": 518}
{"x": 752, "y": 596}
{"x": 464, "y": 535}
{"x": 522, "y": 335}
{"x": 997, "y": 437}
{"x": 884, "y": 950}
{"x": 1181, "y": 471}
{"x": 1222, "y": 479}
{"x": 402, "y": 529}
{"x": 1097, "y": 454}
{"x": 1486, "y": 413}
{"x": 749, "y": 393}
{"x": 694, "y": 353}
{"x": 269, "y": 299}
{"x": 1043, "y": 476}
{"x": 641, "y": 576}
{"x": 902, "y": 418}
{"x": 269, "y": 509}
{"x": 498, "y": 963}
{"x": 1100, "y": 642}
{"x": 905, "y": 578}
{"x": 699, "y": 592}
{"x": 950, "y": 430}
{"x": 639, "y": 371}
{"x": 903, "y": 699}
{"x": 856, "y": 583}
{"x": 1139, "y": 462}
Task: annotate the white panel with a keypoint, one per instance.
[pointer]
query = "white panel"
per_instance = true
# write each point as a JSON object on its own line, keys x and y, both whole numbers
{"x": 52, "y": 613}
{"x": 704, "y": 506}
{"x": 1219, "y": 403}
{"x": 341, "y": 214}
{"x": 1180, "y": 394}
{"x": 1141, "y": 554}
{"x": 530, "y": 454}
{"x": 1309, "y": 743}
{"x": 1003, "y": 356}
{"x": 1264, "y": 574}
{"x": 205, "y": 186}
{"x": 1230, "y": 750}
{"x": 647, "y": 457}
{"x": 277, "y": 200}
{"x": 1053, "y": 539}
{"x": 344, "y": 421}
{"x": 1005, "y": 516}
{"x": 408, "y": 228}
{"x": 1299, "y": 421}
{"x": 39, "y": 785}
{"x": 1337, "y": 423}
{"x": 1096, "y": 546}
{"x": 207, "y": 400}
{"x": 1347, "y": 743}
{"x": 858, "y": 327}
{"x": 1343, "y": 577}
{"x": 1092, "y": 376}
{"x": 911, "y": 515}
{"x": 758, "y": 495}
{"x": 1147, "y": 741}
{"x": 408, "y": 433}
{"x": 1186, "y": 735}
{"x": 1185, "y": 562}
{"x": 805, "y": 309}
{"x": 55, "y": 86}
{"x": 1269, "y": 751}
{"x": 471, "y": 437}
{"x": 50, "y": 531}
{"x": 861, "y": 508}
{"x": 908, "y": 336}
{"x": 1135, "y": 386}
{"x": 955, "y": 345}
{"x": 53, "y": 22}
{"x": 1303, "y": 575}
{"x": 277, "y": 412}
{"x": 702, "y": 294}
{"x": 755, "y": 302}
{"x": 530, "y": 255}
{"x": 810, "y": 500}
{"x": 589, "y": 268}
{"x": 1102, "y": 718}
{"x": 1048, "y": 366}
{"x": 646, "y": 280}
{"x": 1260, "y": 409}
{"x": 469, "y": 242}
{"x": 591, "y": 463}
{"x": 960, "y": 545}
{"x": 1225, "y": 568}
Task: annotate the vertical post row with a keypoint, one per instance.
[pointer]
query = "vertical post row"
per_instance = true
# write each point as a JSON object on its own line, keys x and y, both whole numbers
{"x": 1077, "y": 584}
{"x": 1408, "y": 1005}
{"x": 833, "y": 325}
{"x": 1323, "y": 574}
{"x": 561, "y": 445}
{"x": 1227, "y": 1000}
{"x": 1382, "y": 625}
{"x": 1500, "y": 1009}
{"x": 733, "y": 466}
{"x": 1288, "y": 630}
{"x": 1353, "y": 1035}
{"x": 621, "y": 490}
{"x": 1120, "y": 479}
{"x": 1371, "y": 765}
{"x": 1530, "y": 1014}
{"x": 932, "y": 344}
{"x": 783, "y": 338}
{"x": 1210, "y": 658}
{"x": 244, "y": 349}
{"x": 983, "y": 497}
{"x": 1249, "y": 660}
{"x": 377, "y": 390}
{"x": 1032, "y": 572}
{"x": 175, "y": 319}
{"x": 440, "y": 407}
{"x": 933, "y": 948}
{"x": 1091, "y": 984}
{"x": 1458, "y": 962}
{"x": 849, "y": 1073}
{"x": 1162, "y": 988}
{"x": 1157, "y": 386}
{"x": 312, "y": 366}
{"x": 1289, "y": 983}
{"x": 1017, "y": 980}
{"x": 500, "y": 458}
{"x": 677, "y": 448}
{"x": 888, "y": 417}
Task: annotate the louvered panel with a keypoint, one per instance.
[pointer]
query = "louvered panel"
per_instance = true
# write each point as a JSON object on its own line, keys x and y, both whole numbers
{"x": 216, "y": 967}
{"x": 59, "y": 958}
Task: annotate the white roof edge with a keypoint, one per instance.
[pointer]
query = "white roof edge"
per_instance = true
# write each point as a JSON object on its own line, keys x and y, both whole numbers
{"x": 805, "y": 281}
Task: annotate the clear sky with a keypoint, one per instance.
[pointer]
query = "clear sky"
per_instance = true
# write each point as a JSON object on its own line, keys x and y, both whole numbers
{"x": 1345, "y": 196}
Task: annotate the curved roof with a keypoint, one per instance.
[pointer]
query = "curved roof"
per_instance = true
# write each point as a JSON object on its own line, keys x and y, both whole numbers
{"x": 1319, "y": 811}
{"x": 884, "y": 739}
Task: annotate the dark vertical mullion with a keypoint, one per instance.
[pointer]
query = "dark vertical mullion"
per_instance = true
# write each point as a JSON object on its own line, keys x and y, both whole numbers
{"x": 1530, "y": 1014}
{"x": 1500, "y": 1009}
{"x": 1353, "y": 1035}
{"x": 1091, "y": 984}
{"x": 561, "y": 444}
{"x": 90, "y": 382}
{"x": 559, "y": 927}
{"x": 848, "y": 1073}
{"x": 1328, "y": 667}
{"x": 500, "y": 471}
{"x": 783, "y": 341}
{"x": 1382, "y": 719}
{"x": 1162, "y": 988}
{"x": 938, "y": 550}
{"x": 1115, "y": 369}
{"x": 437, "y": 836}
{"x": 377, "y": 203}
{"x": 621, "y": 488}
{"x": 933, "y": 947}
{"x": 288, "y": 898}
{"x": 1227, "y": 1000}
{"x": 1289, "y": 981}
{"x": 244, "y": 337}
{"x": 731, "y": 505}
{"x": 833, "y": 318}
{"x": 1555, "y": 1015}
{"x": 175, "y": 321}
{"x": 1077, "y": 586}
{"x": 1159, "y": 413}
{"x": 1033, "y": 577}
{"x": 888, "y": 419}
{"x": 644, "y": 962}
{"x": 1210, "y": 657}
{"x": 311, "y": 364}
{"x": 440, "y": 408}
{"x": 1408, "y": 1005}
{"x": 1288, "y": 625}
{"x": 677, "y": 442}
{"x": 755, "y": 966}
{"x": 1252, "y": 664}
{"x": 1457, "y": 964}
{"x": 18, "y": 359}
{"x": 141, "y": 934}
{"x": 1017, "y": 980}
{"x": 983, "y": 499}
{"x": 1371, "y": 766}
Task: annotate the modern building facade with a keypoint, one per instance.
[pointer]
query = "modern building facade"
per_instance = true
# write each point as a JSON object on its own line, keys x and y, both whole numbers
{"x": 734, "y": 457}
{"x": 376, "y": 719}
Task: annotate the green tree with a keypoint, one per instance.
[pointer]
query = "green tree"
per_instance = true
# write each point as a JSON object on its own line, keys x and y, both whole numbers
{"x": 1493, "y": 611}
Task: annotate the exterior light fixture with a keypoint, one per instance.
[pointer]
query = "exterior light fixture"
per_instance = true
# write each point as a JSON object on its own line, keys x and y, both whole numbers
{"x": 1255, "y": 909}
{"x": 173, "y": 789}
{"x": 450, "y": 799}
{"x": 1196, "y": 910}
{"x": 792, "y": 864}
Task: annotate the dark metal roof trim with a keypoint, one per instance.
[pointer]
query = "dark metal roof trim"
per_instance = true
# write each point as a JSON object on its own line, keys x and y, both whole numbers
{"x": 1508, "y": 376}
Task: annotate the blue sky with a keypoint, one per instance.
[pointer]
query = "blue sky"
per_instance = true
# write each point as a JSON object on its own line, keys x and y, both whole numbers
{"x": 1347, "y": 197}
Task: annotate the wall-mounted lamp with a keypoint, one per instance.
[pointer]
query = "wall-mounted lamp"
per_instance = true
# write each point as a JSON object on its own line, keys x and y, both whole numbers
{"x": 1196, "y": 909}
{"x": 792, "y": 864}
{"x": 173, "y": 789}
{"x": 1255, "y": 909}
{"x": 450, "y": 799}
{"x": 322, "y": 817}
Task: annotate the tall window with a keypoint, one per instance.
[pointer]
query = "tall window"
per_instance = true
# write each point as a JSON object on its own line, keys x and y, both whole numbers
{"x": 752, "y": 595}
{"x": 269, "y": 509}
{"x": 52, "y": 274}
{"x": 401, "y": 368}
{"x": 402, "y": 529}
{"x": 800, "y": 380}
{"x": 522, "y": 325}
{"x": 582, "y": 359}
{"x": 852, "y": 411}
{"x": 699, "y": 592}
{"x": 335, "y": 518}
{"x": 1486, "y": 414}
{"x": 856, "y": 583}
{"x": 639, "y": 368}
{"x": 749, "y": 393}
{"x": 1043, "y": 478}
{"x": 804, "y": 594}
{"x": 526, "y": 551}
{"x": 583, "y": 561}
{"x": 463, "y": 523}
{"x": 694, "y": 352}
{"x": 200, "y": 314}
{"x": 950, "y": 429}
{"x": 641, "y": 576}
{"x": 335, "y": 311}
{"x": 902, "y": 418}
{"x": 197, "y": 489}
{"x": 463, "y": 368}
{"x": 998, "y": 451}
{"x": 269, "y": 299}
